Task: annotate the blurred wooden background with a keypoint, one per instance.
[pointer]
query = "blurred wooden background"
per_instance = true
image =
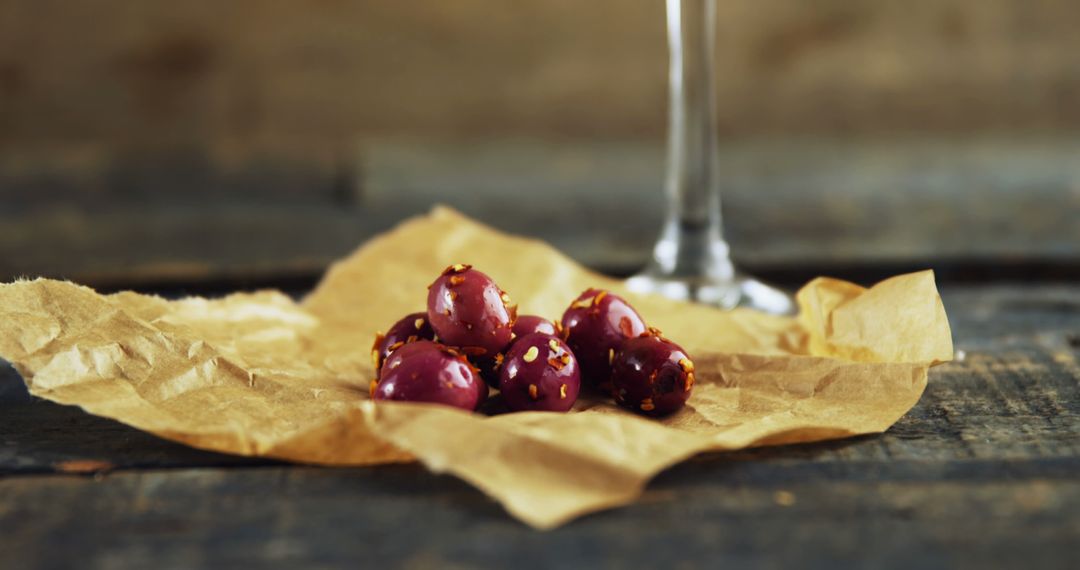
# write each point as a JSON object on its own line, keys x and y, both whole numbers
{"x": 210, "y": 140}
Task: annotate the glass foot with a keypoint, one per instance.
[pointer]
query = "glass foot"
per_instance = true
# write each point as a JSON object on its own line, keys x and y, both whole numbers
{"x": 739, "y": 291}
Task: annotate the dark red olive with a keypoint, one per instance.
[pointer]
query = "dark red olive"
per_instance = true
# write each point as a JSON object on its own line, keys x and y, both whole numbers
{"x": 468, "y": 310}
{"x": 424, "y": 371}
{"x": 595, "y": 326}
{"x": 539, "y": 373}
{"x": 528, "y": 324}
{"x": 411, "y": 328}
{"x": 482, "y": 391}
{"x": 652, "y": 375}
{"x": 524, "y": 325}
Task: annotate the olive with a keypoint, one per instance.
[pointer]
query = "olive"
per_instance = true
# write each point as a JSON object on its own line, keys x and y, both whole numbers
{"x": 411, "y": 327}
{"x": 527, "y": 324}
{"x": 595, "y": 326}
{"x": 652, "y": 375}
{"x": 424, "y": 371}
{"x": 524, "y": 325}
{"x": 482, "y": 392}
{"x": 468, "y": 310}
{"x": 539, "y": 373}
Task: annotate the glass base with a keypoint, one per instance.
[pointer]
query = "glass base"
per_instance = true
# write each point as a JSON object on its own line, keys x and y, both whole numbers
{"x": 740, "y": 291}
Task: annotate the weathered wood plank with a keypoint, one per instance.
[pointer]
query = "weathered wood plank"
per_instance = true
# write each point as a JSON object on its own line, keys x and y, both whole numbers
{"x": 312, "y": 74}
{"x": 42, "y": 437}
{"x": 987, "y": 208}
{"x": 12, "y": 389}
{"x": 697, "y": 515}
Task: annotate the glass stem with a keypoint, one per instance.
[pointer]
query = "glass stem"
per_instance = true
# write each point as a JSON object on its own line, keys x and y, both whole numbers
{"x": 691, "y": 261}
{"x": 691, "y": 245}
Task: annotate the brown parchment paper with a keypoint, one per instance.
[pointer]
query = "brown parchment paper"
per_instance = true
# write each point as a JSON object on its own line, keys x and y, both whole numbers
{"x": 259, "y": 374}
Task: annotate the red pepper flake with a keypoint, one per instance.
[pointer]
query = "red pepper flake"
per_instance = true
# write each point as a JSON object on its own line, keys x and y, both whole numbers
{"x": 376, "y": 353}
{"x": 599, "y": 297}
{"x": 457, "y": 268}
{"x": 647, "y": 405}
{"x": 562, "y": 391}
{"x": 626, "y": 327}
{"x": 371, "y": 388}
{"x": 456, "y": 280}
{"x": 689, "y": 382}
{"x": 582, "y": 303}
{"x": 533, "y": 392}
{"x": 474, "y": 350}
{"x": 556, "y": 363}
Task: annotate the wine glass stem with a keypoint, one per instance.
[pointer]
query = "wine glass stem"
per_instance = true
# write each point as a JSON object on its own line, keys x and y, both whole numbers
{"x": 692, "y": 245}
{"x": 691, "y": 260}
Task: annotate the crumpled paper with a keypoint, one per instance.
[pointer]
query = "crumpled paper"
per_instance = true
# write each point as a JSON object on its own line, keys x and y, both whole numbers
{"x": 259, "y": 374}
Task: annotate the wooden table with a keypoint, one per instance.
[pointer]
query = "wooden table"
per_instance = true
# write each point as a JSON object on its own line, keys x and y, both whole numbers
{"x": 984, "y": 472}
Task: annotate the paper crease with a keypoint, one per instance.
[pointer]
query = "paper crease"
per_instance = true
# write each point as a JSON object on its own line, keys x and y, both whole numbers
{"x": 259, "y": 374}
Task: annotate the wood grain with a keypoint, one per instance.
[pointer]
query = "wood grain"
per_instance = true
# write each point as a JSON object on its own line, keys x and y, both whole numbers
{"x": 311, "y": 75}
{"x": 994, "y": 207}
{"x": 183, "y": 142}
{"x": 254, "y": 104}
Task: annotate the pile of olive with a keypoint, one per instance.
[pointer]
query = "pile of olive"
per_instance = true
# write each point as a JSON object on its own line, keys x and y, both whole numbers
{"x": 471, "y": 337}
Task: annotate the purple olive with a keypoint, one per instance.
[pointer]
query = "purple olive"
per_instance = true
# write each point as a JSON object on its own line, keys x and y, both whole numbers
{"x": 539, "y": 373}
{"x": 595, "y": 326}
{"x": 652, "y": 375}
{"x": 410, "y": 328}
{"x": 468, "y": 310}
{"x": 528, "y": 324}
{"x": 424, "y": 371}
{"x": 482, "y": 391}
{"x": 524, "y": 325}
